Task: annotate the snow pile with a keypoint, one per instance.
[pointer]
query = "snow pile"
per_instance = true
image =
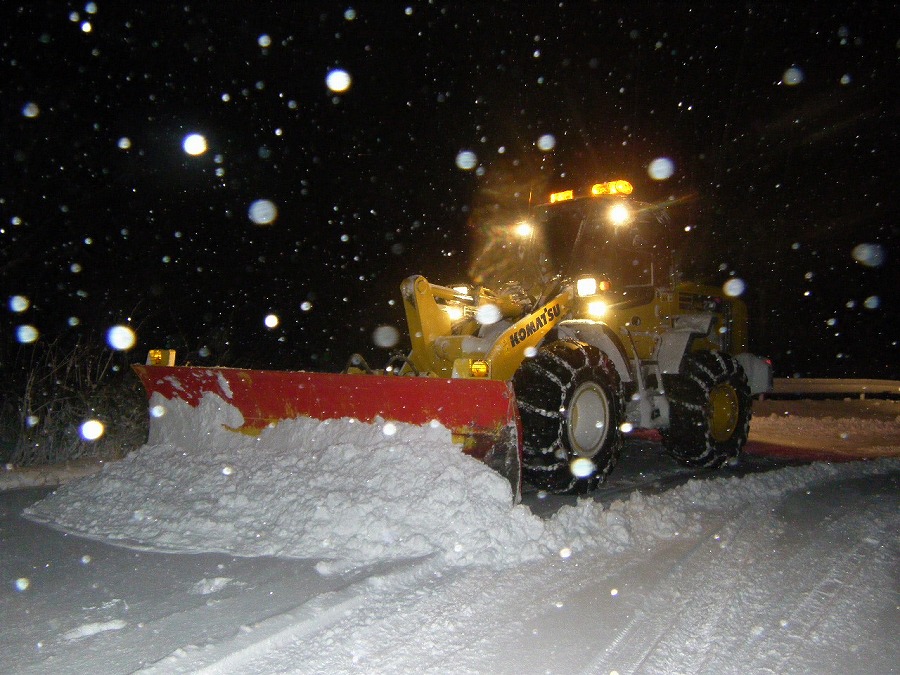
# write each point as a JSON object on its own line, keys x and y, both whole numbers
{"x": 623, "y": 524}
{"x": 339, "y": 490}
{"x": 642, "y": 521}
{"x": 360, "y": 493}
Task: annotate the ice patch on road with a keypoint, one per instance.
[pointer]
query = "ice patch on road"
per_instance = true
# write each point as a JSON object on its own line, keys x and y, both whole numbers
{"x": 342, "y": 491}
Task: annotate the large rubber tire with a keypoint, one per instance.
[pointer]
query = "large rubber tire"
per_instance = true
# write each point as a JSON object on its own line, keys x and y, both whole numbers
{"x": 571, "y": 407}
{"x": 709, "y": 410}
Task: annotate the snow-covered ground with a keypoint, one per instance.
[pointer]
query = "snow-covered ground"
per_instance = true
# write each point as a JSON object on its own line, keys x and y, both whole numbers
{"x": 345, "y": 547}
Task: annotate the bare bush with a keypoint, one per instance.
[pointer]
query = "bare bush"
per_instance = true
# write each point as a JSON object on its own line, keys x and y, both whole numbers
{"x": 52, "y": 389}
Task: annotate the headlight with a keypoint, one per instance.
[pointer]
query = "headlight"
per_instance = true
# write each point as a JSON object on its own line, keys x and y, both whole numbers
{"x": 619, "y": 214}
{"x": 455, "y": 313}
{"x": 586, "y": 286}
{"x": 597, "y": 308}
{"x": 524, "y": 229}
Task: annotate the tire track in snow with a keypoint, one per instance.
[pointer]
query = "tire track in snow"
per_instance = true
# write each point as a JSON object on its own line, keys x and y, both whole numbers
{"x": 815, "y": 606}
{"x": 805, "y": 601}
{"x": 253, "y": 644}
{"x": 637, "y": 644}
{"x": 701, "y": 619}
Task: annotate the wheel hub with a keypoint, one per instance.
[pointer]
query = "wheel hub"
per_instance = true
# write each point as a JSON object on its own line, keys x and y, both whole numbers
{"x": 723, "y": 411}
{"x": 588, "y": 418}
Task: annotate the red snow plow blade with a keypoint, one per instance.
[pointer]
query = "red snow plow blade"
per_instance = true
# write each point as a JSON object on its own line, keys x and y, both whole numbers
{"x": 481, "y": 414}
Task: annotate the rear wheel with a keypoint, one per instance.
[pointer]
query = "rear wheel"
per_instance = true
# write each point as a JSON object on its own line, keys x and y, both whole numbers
{"x": 709, "y": 409}
{"x": 570, "y": 404}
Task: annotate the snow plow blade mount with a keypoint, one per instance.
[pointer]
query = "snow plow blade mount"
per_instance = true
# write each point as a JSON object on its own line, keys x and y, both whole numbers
{"x": 481, "y": 414}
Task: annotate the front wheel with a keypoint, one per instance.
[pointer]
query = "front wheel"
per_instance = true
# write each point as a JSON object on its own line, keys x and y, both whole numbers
{"x": 570, "y": 404}
{"x": 709, "y": 410}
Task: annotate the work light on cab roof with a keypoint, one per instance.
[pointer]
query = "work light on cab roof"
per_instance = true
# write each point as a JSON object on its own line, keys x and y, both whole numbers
{"x": 619, "y": 214}
{"x": 524, "y": 229}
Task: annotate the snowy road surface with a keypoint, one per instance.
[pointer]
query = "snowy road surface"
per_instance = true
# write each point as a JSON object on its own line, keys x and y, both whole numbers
{"x": 793, "y": 569}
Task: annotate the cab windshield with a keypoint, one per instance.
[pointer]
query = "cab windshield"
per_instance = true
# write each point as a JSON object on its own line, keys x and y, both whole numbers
{"x": 585, "y": 236}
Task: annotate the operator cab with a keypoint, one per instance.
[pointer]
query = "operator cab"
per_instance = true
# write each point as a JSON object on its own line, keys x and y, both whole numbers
{"x": 608, "y": 236}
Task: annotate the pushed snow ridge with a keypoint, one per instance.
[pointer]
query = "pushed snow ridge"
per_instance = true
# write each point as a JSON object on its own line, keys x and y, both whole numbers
{"x": 358, "y": 493}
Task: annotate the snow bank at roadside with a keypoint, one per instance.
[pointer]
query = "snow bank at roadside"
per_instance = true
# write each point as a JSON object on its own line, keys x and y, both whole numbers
{"x": 842, "y": 436}
{"x": 50, "y": 475}
{"x": 362, "y": 493}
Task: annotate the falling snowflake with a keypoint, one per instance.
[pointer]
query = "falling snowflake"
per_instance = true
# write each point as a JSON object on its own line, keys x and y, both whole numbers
{"x": 263, "y": 212}
{"x": 194, "y": 144}
{"x": 792, "y": 76}
{"x": 466, "y": 160}
{"x": 661, "y": 168}
{"x": 121, "y": 338}
{"x": 546, "y": 142}
{"x": 92, "y": 430}
{"x": 385, "y": 336}
{"x": 338, "y": 81}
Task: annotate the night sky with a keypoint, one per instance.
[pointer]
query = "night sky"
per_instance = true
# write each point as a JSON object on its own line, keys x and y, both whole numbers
{"x": 781, "y": 123}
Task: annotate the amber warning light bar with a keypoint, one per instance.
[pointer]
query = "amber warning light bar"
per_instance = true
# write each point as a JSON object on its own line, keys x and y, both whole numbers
{"x": 564, "y": 196}
{"x": 612, "y": 187}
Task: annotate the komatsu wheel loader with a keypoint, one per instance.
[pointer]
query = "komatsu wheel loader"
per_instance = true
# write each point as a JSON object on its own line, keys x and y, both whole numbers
{"x": 542, "y": 380}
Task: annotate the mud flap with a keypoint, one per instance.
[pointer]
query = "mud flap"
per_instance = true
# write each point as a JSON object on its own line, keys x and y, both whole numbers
{"x": 481, "y": 414}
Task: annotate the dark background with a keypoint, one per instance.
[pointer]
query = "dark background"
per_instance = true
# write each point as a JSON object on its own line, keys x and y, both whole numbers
{"x": 777, "y": 182}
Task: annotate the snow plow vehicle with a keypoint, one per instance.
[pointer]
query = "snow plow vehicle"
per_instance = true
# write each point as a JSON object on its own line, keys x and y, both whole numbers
{"x": 540, "y": 379}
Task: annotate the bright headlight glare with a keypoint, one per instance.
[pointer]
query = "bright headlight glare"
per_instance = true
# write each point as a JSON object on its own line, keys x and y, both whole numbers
{"x": 455, "y": 313}
{"x": 597, "y": 308}
{"x": 586, "y": 286}
{"x": 619, "y": 214}
{"x": 524, "y": 229}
